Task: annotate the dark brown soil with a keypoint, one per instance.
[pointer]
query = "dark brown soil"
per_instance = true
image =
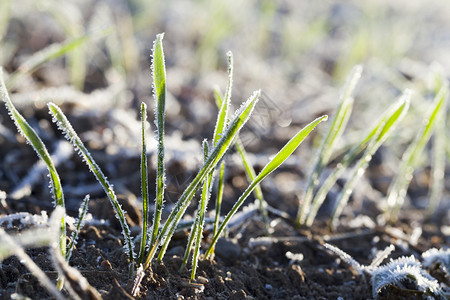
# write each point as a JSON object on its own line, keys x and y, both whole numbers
{"x": 242, "y": 269}
{"x": 245, "y": 266}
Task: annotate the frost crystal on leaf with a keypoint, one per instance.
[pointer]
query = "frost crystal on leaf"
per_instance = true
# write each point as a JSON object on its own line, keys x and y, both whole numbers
{"x": 397, "y": 272}
{"x": 400, "y": 271}
{"x": 348, "y": 259}
{"x": 435, "y": 257}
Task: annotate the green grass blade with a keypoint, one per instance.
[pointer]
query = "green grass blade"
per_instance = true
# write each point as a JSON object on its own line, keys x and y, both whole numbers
{"x": 222, "y": 117}
{"x": 251, "y": 175}
{"x": 80, "y": 223}
{"x": 159, "y": 92}
{"x": 51, "y": 52}
{"x": 398, "y": 188}
{"x": 64, "y": 125}
{"x": 188, "y": 249}
{"x": 387, "y": 126}
{"x": 219, "y": 196}
{"x": 222, "y": 120}
{"x": 144, "y": 185}
{"x": 34, "y": 140}
{"x": 250, "y": 172}
{"x": 438, "y": 163}
{"x": 240, "y": 118}
{"x": 200, "y": 218}
{"x": 335, "y": 130}
{"x": 376, "y": 135}
{"x": 281, "y": 156}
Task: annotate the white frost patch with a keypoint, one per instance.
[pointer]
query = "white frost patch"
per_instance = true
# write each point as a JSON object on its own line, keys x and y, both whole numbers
{"x": 25, "y": 219}
{"x": 294, "y": 257}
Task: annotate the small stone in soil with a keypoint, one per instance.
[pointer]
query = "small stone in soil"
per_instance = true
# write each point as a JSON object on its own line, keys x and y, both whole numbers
{"x": 176, "y": 251}
{"x": 228, "y": 250}
{"x": 202, "y": 280}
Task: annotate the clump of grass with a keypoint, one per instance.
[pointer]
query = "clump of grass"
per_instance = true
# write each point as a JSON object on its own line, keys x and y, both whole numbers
{"x": 272, "y": 165}
{"x": 225, "y": 135}
{"x": 359, "y": 155}
{"x": 393, "y": 115}
{"x": 398, "y": 188}
{"x": 337, "y": 126}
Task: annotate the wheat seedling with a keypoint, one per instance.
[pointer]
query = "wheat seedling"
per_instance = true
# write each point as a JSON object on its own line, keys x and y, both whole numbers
{"x": 399, "y": 186}
{"x": 369, "y": 144}
{"x": 337, "y": 127}
{"x": 394, "y": 115}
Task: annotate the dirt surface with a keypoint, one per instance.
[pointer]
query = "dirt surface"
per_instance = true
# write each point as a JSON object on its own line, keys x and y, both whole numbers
{"x": 244, "y": 266}
{"x": 301, "y": 78}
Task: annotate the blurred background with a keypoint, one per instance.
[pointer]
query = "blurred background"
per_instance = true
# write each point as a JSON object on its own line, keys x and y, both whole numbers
{"x": 298, "y": 52}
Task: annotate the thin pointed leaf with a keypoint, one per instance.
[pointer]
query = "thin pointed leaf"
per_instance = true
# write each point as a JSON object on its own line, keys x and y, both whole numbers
{"x": 335, "y": 130}
{"x": 219, "y": 196}
{"x": 281, "y": 156}
{"x": 251, "y": 175}
{"x": 34, "y": 140}
{"x": 188, "y": 250}
{"x": 222, "y": 121}
{"x": 144, "y": 185}
{"x": 80, "y": 223}
{"x": 222, "y": 116}
{"x": 200, "y": 218}
{"x": 159, "y": 93}
{"x": 70, "y": 134}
